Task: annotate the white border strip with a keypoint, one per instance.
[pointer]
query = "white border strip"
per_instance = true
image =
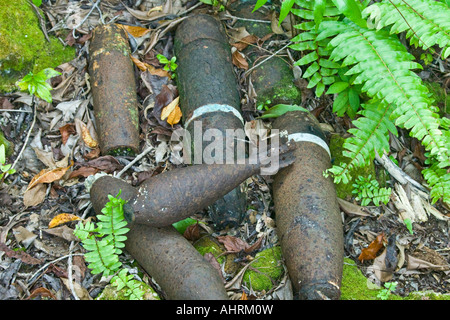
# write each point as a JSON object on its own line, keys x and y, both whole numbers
{"x": 208, "y": 108}
{"x": 299, "y": 137}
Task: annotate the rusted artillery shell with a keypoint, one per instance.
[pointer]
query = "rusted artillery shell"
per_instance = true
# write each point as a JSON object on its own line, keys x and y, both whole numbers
{"x": 175, "y": 264}
{"x": 114, "y": 91}
{"x": 163, "y": 253}
{"x": 177, "y": 194}
{"x": 308, "y": 218}
{"x": 209, "y": 93}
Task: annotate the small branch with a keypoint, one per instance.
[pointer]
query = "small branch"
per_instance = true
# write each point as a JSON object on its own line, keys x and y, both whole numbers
{"x": 85, "y": 18}
{"x": 138, "y": 157}
{"x": 270, "y": 57}
{"x": 28, "y": 135}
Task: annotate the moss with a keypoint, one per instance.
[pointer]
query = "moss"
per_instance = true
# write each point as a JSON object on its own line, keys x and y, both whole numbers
{"x": 354, "y": 283}
{"x": 23, "y": 46}
{"x": 111, "y": 293}
{"x": 273, "y": 82}
{"x": 208, "y": 244}
{"x": 355, "y": 286}
{"x": 269, "y": 267}
{"x": 344, "y": 191}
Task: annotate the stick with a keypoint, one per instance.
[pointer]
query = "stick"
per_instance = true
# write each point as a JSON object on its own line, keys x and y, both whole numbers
{"x": 270, "y": 57}
{"x": 138, "y": 157}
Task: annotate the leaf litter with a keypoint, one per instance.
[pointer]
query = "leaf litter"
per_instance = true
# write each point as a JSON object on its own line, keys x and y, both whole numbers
{"x": 49, "y": 182}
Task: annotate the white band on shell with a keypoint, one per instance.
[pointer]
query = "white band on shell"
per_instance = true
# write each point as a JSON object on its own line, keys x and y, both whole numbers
{"x": 208, "y": 108}
{"x": 299, "y": 137}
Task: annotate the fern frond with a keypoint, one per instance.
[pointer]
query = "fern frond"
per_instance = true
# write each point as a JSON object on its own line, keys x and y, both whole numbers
{"x": 320, "y": 71}
{"x": 125, "y": 280}
{"x": 370, "y": 135}
{"x": 384, "y": 66}
{"x": 426, "y": 22}
{"x": 439, "y": 181}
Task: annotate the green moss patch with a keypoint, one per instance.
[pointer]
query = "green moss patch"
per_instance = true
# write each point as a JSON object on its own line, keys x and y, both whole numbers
{"x": 264, "y": 273}
{"x": 23, "y": 46}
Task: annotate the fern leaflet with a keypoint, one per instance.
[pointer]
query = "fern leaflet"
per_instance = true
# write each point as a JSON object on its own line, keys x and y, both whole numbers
{"x": 426, "y": 23}
{"x": 384, "y": 66}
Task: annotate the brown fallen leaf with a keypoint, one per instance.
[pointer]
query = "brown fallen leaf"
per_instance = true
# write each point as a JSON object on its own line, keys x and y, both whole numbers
{"x": 66, "y": 131}
{"x": 34, "y": 196}
{"x": 192, "y": 232}
{"x": 83, "y": 172}
{"x": 23, "y": 256}
{"x": 239, "y": 60}
{"x": 61, "y": 219}
{"x": 48, "y": 176}
{"x": 63, "y": 232}
{"x": 87, "y": 137}
{"x": 234, "y": 244}
{"x": 245, "y": 42}
{"x": 43, "y": 292}
{"x": 135, "y": 31}
{"x": 172, "y": 112}
{"x": 371, "y": 251}
{"x": 148, "y": 67}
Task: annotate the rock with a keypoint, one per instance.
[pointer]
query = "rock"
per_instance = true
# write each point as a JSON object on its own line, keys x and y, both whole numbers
{"x": 23, "y": 46}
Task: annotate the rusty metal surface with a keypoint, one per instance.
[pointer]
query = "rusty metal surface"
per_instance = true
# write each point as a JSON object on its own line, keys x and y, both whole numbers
{"x": 205, "y": 76}
{"x": 113, "y": 88}
{"x": 308, "y": 217}
{"x": 167, "y": 256}
{"x": 179, "y": 193}
{"x": 175, "y": 264}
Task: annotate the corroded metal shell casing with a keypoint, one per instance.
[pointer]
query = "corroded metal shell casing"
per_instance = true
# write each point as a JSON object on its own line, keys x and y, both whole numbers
{"x": 177, "y": 194}
{"x": 209, "y": 96}
{"x": 308, "y": 218}
{"x": 163, "y": 253}
{"x": 175, "y": 264}
{"x": 113, "y": 88}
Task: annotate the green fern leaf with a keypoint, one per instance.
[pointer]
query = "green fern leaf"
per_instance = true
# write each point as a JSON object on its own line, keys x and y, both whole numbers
{"x": 439, "y": 181}
{"x": 383, "y": 65}
{"x": 370, "y": 135}
{"x": 426, "y": 22}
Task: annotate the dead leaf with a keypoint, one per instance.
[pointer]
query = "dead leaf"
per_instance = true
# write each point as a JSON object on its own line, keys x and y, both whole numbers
{"x": 379, "y": 267}
{"x": 68, "y": 109}
{"x": 48, "y": 176}
{"x": 192, "y": 232}
{"x": 427, "y": 258}
{"x": 146, "y": 16}
{"x": 63, "y": 232}
{"x": 43, "y": 292}
{"x": 371, "y": 251}
{"x": 135, "y": 31}
{"x": 66, "y": 131}
{"x": 83, "y": 172}
{"x": 274, "y": 24}
{"x": 234, "y": 244}
{"x": 148, "y": 67}
{"x": 23, "y": 256}
{"x": 351, "y": 209}
{"x": 87, "y": 137}
{"x": 245, "y": 42}
{"x": 167, "y": 110}
{"x": 24, "y": 236}
{"x": 239, "y": 60}
{"x": 107, "y": 163}
{"x": 175, "y": 116}
{"x": 81, "y": 292}
{"x": 34, "y": 196}
{"x": 61, "y": 219}
{"x": 244, "y": 296}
